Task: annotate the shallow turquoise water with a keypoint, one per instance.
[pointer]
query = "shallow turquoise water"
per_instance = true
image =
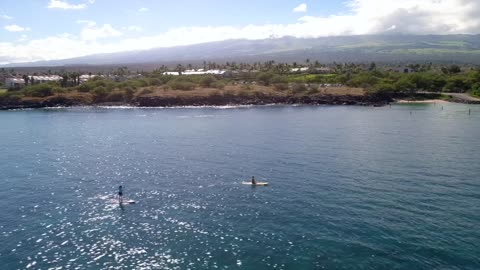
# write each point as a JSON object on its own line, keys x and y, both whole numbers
{"x": 351, "y": 188}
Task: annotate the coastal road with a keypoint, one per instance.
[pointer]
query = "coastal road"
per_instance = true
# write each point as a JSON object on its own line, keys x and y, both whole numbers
{"x": 462, "y": 96}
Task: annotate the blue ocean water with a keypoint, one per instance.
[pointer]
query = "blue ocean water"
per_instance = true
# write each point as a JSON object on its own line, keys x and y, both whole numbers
{"x": 350, "y": 188}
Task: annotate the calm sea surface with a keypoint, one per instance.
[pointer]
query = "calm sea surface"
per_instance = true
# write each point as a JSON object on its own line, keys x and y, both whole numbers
{"x": 350, "y": 188}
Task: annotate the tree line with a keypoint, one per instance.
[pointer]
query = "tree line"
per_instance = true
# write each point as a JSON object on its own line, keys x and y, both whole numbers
{"x": 376, "y": 79}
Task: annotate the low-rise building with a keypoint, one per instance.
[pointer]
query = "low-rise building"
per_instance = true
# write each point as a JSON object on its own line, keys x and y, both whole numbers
{"x": 19, "y": 82}
{"x": 317, "y": 70}
{"x": 86, "y": 77}
{"x": 44, "y": 79}
{"x": 14, "y": 83}
{"x": 199, "y": 72}
{"x": 300, "y": 69}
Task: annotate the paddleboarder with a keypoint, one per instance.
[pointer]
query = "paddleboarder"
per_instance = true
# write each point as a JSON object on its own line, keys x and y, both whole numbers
{"x": 120, "y": 194}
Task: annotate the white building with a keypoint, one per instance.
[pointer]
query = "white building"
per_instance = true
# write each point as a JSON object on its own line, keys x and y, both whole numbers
{"x": 45, "y": 79}
{"x": 19, "y": 82}
{"x": 301, "y": 69}
{"x": 86, "y": 77}
{"x": 198, "y": 72}
{"x": 12, "y": 83}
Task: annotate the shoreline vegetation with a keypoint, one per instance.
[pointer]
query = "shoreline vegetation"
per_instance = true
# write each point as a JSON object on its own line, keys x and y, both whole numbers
{"x": 252, "y": 84}
{"x": 230, "y": 95}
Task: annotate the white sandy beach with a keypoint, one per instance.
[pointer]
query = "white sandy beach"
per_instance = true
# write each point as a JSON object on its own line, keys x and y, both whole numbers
{"x": 422, "y": 101}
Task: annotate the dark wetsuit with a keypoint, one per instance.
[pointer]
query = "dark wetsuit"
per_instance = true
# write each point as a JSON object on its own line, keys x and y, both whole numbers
{"x": 253, "y": 181}
{"x": 120, "y": 193}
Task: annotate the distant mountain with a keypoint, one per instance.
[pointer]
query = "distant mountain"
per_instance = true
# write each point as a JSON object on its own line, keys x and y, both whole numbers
{"x": 379, "y": 48}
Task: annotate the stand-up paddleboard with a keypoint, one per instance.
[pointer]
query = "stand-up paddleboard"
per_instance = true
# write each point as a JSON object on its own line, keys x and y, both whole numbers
{"x": 249, "y": 183}
{"x": 125, "y": 202}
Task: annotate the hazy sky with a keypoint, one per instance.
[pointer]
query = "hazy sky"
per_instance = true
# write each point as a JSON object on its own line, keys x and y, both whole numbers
{"x": 34, "y": 30}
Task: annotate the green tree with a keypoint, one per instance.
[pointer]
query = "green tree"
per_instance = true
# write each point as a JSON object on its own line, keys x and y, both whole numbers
{"x": 453, "y": 69}
{"x": 457, "y": 84}
{"x": 25, "y": 79}
{"x": 422, "y": 81}
{"x": 207, "y": 81}
{"x": 129, "y": 92}
{"x": 40, "y": 90}
{"x": 100, "y": 93}
{"x": 265, "y": 77}
{"x": 475, "y": 89}
{"x": 179, "y": 69}
{"x": 438, "y": 83}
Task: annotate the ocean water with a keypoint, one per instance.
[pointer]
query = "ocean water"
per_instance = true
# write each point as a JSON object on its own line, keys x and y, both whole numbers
{"x": 350, "y": 188}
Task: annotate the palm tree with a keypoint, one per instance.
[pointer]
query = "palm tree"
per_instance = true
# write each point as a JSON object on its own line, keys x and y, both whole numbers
{"x": 26, "y": 79}
{"x": 179, "y": 69}
{"x": 64, "y": 80}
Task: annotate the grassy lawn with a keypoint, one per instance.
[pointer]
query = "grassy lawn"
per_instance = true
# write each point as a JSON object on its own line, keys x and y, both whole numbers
{"x": 310, "y": 78}
{"x": 428, "y": 51}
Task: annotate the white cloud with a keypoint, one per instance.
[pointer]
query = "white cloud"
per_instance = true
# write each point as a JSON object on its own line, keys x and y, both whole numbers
{"x": 87, "y": 22}
{"x": 23, "y": 38}
{"x": 301, "y": 8}
{"x": 361, "y": 17}
{"x": 16, "y": 28}
{"x": 5, "y": 17}
{"x": 65, "y": 5}
{"x": 133, "y": 28}
{"x": 143, "y": 9}
{"x": 92, "y": 32}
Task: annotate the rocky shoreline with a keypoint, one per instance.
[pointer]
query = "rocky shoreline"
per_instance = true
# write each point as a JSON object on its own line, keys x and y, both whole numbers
{"x": 212, "y": 100}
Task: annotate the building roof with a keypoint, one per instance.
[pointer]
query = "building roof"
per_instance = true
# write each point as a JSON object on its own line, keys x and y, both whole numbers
{"x": 299, "y": 69}
{"x": 197, "y": 72}
{"x": 88, "y": 77}
{"x": 15, "y": 80}
{"x": 46, "y": 78}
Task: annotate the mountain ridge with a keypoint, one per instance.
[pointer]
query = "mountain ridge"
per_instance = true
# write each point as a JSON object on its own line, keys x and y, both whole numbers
{"x": 361, "y": 48}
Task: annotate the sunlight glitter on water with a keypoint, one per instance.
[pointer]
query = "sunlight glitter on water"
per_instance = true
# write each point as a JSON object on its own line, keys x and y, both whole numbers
{"x": 365, "y": 191}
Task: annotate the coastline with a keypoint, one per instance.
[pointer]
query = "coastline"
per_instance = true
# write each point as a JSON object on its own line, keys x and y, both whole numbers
{"x": 217, "y": 100}
{"x": 199, "y": 101}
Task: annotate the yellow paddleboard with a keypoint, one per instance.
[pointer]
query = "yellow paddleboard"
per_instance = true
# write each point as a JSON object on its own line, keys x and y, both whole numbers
{"x": 257, "y": 184}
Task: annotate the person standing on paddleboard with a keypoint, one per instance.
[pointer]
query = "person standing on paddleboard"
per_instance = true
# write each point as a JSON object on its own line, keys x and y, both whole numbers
{"x": 253, "y": 180}
{"x": 120, "y": 194}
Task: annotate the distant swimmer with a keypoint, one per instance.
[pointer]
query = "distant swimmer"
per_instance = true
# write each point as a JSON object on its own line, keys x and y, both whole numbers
{"x": 120, "y": 194}
{"x": 253, "y": 180}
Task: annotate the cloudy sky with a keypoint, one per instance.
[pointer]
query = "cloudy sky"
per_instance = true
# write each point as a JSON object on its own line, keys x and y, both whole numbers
{"x": 33, "y": 30}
